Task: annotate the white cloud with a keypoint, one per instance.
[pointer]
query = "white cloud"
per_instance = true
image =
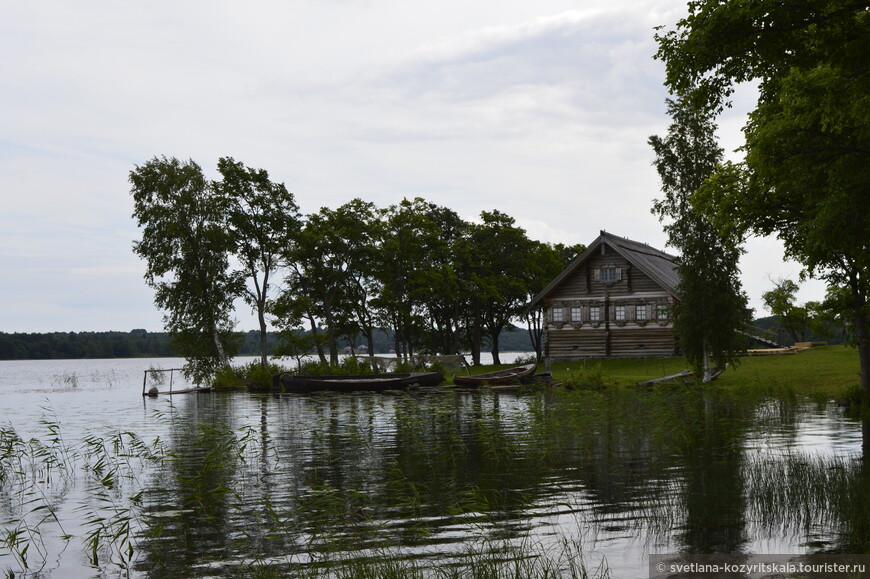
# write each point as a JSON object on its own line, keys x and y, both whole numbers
{"x": 540, "y": 110}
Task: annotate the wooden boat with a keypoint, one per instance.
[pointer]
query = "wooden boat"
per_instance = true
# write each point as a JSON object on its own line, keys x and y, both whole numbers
{"x": 288, "y": 382}
{"x": 509, "y": 376}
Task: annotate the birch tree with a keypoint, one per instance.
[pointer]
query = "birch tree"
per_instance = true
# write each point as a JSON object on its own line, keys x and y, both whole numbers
{"x": 712, "y": 305}
{"x": 186, "y": 248}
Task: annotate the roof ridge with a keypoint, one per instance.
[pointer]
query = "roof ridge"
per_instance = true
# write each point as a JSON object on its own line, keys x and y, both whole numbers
{"x": 641, "y": 247}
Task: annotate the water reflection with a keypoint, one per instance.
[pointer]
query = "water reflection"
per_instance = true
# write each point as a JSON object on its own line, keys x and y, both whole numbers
{"x": 252, "y": 482}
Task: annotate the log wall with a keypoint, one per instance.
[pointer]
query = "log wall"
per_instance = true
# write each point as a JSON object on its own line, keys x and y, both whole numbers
{"x": 619, "y": 332}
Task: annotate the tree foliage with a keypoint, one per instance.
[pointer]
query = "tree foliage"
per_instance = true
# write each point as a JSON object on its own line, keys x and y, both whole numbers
{"x": 263, "y": 222}
{"x": 807, "y": 146}
{"x": 436, "y": 282}
{"x": 186, "y": 245}
{"x": 712, "y": 307}
{"x": 331, "y": 264}
{"x": 781, "y": 302}
{"x": 545, "y": 263}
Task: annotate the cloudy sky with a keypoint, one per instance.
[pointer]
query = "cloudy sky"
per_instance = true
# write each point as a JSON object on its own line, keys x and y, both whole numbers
{"x": 541, "y": 110}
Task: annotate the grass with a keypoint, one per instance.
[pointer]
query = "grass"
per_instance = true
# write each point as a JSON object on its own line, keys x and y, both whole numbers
{"x": 823, "y": 373}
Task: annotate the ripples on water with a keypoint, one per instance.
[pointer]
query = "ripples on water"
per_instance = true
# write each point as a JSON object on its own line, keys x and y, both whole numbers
{"x": 225, "y": 480}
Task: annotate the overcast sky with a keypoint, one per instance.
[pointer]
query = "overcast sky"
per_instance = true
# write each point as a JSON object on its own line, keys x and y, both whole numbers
{"x": 541, "y": 110}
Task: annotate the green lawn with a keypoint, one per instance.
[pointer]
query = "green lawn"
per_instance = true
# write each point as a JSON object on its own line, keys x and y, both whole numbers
{"x": 822, "y": 372}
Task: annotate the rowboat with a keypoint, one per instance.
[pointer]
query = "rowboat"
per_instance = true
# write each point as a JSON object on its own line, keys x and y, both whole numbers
{"x": 288, "y": 382}
{"x": 509, "y": 376}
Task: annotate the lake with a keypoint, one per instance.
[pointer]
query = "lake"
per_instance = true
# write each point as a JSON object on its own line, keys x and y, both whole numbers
{"x": 99, "y": 481}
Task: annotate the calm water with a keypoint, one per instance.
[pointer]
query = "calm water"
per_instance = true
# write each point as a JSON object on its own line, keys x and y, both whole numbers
{"x": 202, "y": 485}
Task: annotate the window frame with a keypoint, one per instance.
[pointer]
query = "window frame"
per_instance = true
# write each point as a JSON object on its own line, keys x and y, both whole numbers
{"x": 575, "y": 314}
{"x": 594, "y": 314}
{"x": 619, "y": 313}
{"x": 641, "y": 308}
{"x": 614, "y": 274}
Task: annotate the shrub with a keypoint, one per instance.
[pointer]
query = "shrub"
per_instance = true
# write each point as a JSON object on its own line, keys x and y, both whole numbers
{"x": 854, "y": 399}
{"x": 530, "y": 358}
{"x": 350, "y": 365}
{"x": 591, "y": 378}
{"x": 258, "y": 378}
{"x": 227, "y": 379}
{"x": 251, "y": 376}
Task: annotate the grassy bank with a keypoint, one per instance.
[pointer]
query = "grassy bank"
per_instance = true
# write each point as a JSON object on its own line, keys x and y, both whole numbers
{"x": 827, "y": 372}
{"x": 822, "y": 372}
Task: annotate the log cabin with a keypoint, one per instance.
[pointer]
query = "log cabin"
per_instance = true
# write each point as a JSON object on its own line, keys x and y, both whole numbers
{"x": 613, "y": 301}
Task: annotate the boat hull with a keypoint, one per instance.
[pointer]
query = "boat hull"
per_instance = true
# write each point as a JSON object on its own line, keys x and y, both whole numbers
{"x": 355, "y": 383}
{"x": 509, "y": 376}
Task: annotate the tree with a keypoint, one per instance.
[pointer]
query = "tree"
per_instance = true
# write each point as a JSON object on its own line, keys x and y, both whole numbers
{"x": 781, "y": 302}
{"x": 322, "y": 260}
{"x": 264, "y": 222}
{"x": 546, "y": 262}
{"x": 186, "y": 246}
{"x": 408, "y": 236}
{"x": 712, "y": 306}
{"x": 441, "y": 286}
{"x": 807, "y": 145}
{"x": 504, "y": 257}
{"x": 293, "y": 341}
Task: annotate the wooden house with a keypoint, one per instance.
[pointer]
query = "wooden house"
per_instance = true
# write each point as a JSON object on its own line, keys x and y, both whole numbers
{"x": 614, "y": 300}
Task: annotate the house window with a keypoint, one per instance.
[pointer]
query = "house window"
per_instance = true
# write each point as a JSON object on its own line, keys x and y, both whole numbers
{"x": 641, "y": 313}
{"x": 595, "y": 314}
{"x": 662, "y": 312}
{"x": 620, "y": 313}
{"x": 609, "y": 274}
{"x": 575, "y": 314}
{"x": 557, "y": 314}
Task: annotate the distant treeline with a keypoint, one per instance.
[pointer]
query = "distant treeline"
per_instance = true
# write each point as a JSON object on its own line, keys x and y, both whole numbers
{"x": 774, "y": 330}
{"x": 144, "y": 344}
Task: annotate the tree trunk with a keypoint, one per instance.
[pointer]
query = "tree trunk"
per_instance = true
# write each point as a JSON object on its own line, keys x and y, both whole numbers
{"x": 370, "y": 341}
{"x": 708, "y": 373}
{"x": 316, "y": 335}
{"x": 333, "y": 343}
{"x": 862, "y": 338}
{"x": 225, "y": 362}
{"x": 264, "y": 347}
{"x": 397, "y": 342}
{"x": 535, "y": 336}
{"x": 494, "y": 336}
{"x": 476, "y": 341}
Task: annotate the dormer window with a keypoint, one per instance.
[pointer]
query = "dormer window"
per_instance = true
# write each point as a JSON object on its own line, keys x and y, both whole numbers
{"x": 609, "y": 274}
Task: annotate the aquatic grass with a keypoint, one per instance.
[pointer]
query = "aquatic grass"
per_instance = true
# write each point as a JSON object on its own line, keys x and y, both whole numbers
{"x": 156, "y": 376}
{"x": 480, "y": 558}
{"x": 34, "y": 477}
{"x": 799, "y": 493}
{"x": 37, "y": 474}
{"x": 66, "y": 380}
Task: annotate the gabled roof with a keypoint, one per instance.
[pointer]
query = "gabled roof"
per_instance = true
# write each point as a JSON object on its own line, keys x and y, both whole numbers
{"x": 661, "y": 267}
